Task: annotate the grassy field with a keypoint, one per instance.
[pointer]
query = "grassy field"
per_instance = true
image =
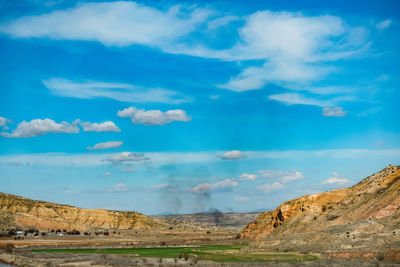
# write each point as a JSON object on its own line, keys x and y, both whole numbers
{"x": 217, "y": 253}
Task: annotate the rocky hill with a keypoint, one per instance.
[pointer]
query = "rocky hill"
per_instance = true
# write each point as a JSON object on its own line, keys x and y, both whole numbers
{"x": 374, "y": 202}
{"x": 17, "y": 211}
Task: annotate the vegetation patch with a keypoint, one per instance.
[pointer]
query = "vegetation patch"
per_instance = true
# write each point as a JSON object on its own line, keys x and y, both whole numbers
{"x": 217, "y": 253}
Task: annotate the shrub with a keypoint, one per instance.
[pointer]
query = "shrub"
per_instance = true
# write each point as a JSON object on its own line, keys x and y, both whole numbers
{"x": 380, "y": 257}
{"x": 9, "y": 248}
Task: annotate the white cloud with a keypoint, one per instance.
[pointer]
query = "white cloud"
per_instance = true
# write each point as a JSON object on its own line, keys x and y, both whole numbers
{"x": 105, "y": 145}
{"x": 118, "y": 188}
{"x": 107, "y": 126}
{"x": 333, "y": 112}
{"x": 3, "y": 123}
{"x": 234, "y": 154}
{"x": 113, "y": 24}
{"x": 116, "y": 91}
{"x": 283, "y": 176}
{"x": 239, "y": 198}
{"x": 127, "y": 158}
{"x": 154, "y": 117}
{"x": 38, "y": 127}
{"x": 106, "y": 174}
{"x": 293, "y": 46}
{"x": 219, "y": 22}
{"x": 383, "y": 24}
{"x": 207, "y": 188}
{"x": 127, "y": 170}
{"x": 247, "y": 177}
{"x": 298, "y": 99}
{"x": 336, "y": 179}
{"x": 267, "y": 188}
{"x": 127, "y": 113}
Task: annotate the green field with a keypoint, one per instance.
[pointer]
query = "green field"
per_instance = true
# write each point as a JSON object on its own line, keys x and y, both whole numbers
{"x": 217, "y": 253}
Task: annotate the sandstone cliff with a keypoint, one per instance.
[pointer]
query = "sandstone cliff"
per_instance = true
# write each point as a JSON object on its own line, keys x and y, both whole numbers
{"x": 375, "y": 197}
{"x": 22, "y": 212}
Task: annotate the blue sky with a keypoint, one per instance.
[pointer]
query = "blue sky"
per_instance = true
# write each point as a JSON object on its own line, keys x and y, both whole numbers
{"x": 170, "y": 106}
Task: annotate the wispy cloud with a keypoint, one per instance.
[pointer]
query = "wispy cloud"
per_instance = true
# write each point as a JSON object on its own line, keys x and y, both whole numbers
{"x": 283, "y": 176}
{"x": 120, "y": 23}
{"x": 247, "y": 177}
{"x": 116, "y": 91}
{"x": 384, "y": 24}
{"x": 127, "y": 170}
{"x": 267, "y": 188}
{"x": 105, "y": 145}
{"x": 239, "y": 198}
{"x": 167, "y": 158}
{"x": 106, "y": 174}
{"x": 333, "y": 112}
{"x": 293, "y": 47}
{"x": 234, "y": 154}
{"x": 298, "y": 99}
{"x": 222, "y": 186}
{"x": 127, "y": 158}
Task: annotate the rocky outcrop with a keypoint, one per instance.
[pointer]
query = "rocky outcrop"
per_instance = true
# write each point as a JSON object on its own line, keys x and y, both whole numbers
{"x": 22, "y": 212}
{"x": 376, "y": 196}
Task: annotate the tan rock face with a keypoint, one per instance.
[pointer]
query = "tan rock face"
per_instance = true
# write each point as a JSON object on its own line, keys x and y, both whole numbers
{"x": 376, "y": 196}
{"x": 45, "y": 215}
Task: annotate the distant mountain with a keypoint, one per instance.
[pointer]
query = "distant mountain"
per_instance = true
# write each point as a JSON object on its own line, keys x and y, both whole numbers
{"x": 17, "y": 211}
{"x": 353, "y": 216}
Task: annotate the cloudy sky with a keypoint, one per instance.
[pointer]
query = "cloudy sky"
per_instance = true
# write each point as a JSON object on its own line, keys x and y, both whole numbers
{"x": 171, "y": 106}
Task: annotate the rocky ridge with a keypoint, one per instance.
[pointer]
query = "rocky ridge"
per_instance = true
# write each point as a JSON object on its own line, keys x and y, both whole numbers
{"x": 374, "y": 198}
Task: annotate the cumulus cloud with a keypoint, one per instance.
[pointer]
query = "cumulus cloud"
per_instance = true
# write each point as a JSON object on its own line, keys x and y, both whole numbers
{"x": 206, "y": 188}
{"x": 154, "y": 117}
{"x": 127, "y": 158}
{"x": 107, "y": 126}
{"x": 234, "y": 154}
{"x": 337, "y": 180}
{"x": 333, "y": 112}
{"x": 116, "y": 91}
{"x": 267, "y": 188}
{"x": 38, "y": 127}
{"x": 127, "y": 113}
{"x": 105, "y": 145}
{"x": 383, "y": 24}
{"x": 247, "y": 177}
{"x": 283, "y": 176}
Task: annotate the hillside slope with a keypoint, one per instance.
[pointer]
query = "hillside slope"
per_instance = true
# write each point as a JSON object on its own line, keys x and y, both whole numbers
{"x": 17, "y": 211}
{"x": 375, "y": 197}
